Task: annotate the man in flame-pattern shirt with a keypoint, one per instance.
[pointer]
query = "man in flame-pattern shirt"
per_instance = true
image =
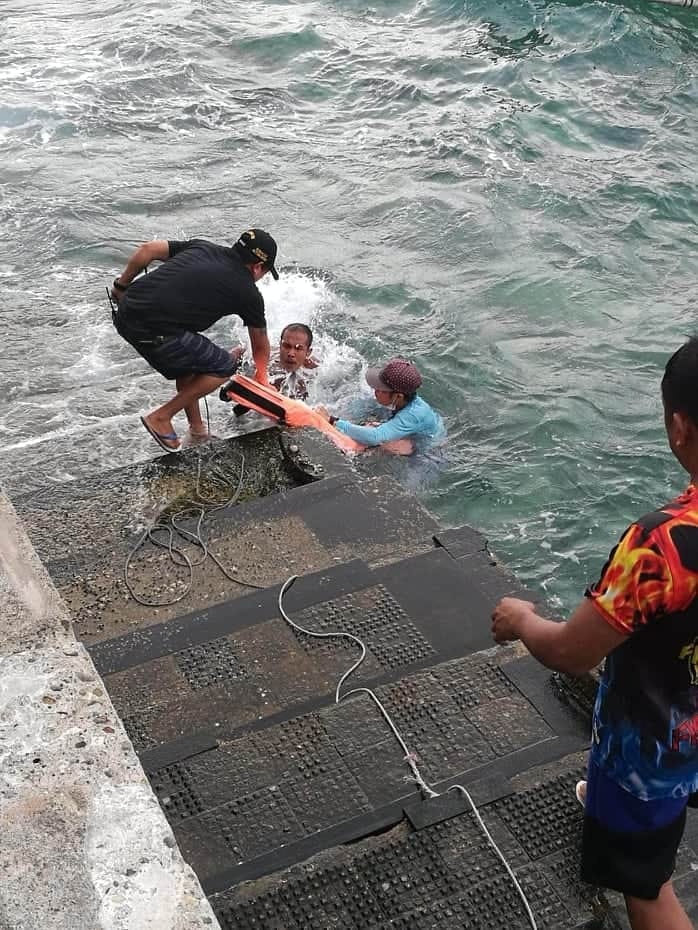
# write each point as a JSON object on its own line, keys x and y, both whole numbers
{"x": 642, "y": 617}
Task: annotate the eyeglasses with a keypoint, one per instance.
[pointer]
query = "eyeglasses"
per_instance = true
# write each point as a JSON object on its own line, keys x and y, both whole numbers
{"x": 293, "y": 345}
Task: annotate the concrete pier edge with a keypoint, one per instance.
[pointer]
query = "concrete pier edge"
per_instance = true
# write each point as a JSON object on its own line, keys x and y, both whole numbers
{"x": 85, "y": 844}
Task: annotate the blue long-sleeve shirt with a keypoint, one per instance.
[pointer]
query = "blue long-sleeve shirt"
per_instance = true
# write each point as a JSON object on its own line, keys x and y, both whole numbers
{"x": 417, "y": 421}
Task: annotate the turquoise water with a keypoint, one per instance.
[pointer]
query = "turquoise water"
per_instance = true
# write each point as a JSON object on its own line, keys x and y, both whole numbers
{"x": 504, "y": 192}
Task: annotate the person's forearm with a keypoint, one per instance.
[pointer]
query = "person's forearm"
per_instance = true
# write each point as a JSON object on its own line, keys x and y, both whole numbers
{"x": 261, "y": 353}
{"x": 574, "y": 646}
{"x": 544, "y": 639}
{"x": 370, "y": 435}
{"x": 142, "y": 257}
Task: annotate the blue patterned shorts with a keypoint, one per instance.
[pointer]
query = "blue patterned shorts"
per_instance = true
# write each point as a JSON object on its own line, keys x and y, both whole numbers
{"x": 183, "y": 354}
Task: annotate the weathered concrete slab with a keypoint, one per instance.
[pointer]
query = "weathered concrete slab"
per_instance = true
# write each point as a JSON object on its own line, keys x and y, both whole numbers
{"x": 88, "y": 532}
{"x": 256, "y": 555}
{"x": 97, "y": 519}
{"x": 84, "y": 842}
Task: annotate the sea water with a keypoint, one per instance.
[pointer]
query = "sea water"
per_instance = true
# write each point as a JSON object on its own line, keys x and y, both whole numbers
{"x": 505, "y": 193}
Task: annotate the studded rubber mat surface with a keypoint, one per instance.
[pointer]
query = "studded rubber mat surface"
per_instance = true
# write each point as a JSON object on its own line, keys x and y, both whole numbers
{"x": 444, "y": 875}
{"x": 256, "y": 765}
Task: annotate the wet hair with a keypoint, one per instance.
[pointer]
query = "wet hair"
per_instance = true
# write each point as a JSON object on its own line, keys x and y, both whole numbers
{"x": 300, "y": 326}
{"x": 680, "y": 381}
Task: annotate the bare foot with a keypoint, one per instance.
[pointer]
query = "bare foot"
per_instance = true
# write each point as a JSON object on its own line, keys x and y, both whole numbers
{"x": 236, "y": 353}
{"x": 192, "y": 438}
{"x": 199, "y": 433}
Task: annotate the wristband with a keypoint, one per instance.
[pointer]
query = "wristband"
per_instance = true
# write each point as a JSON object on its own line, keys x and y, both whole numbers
{"x": 333, "y": 420}
{"x": 118, "y": 285}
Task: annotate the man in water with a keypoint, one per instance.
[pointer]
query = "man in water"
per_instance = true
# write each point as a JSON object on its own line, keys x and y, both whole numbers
{"x": 285, "y": 373}
{"x": 162, "y": 314}
{"x": 295, "y": 347}
{"x": 642, "y": 616}
{"x": 413, "y": 424}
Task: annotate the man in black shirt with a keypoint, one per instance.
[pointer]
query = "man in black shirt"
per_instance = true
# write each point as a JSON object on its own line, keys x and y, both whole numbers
{"x": 161, "y": 315}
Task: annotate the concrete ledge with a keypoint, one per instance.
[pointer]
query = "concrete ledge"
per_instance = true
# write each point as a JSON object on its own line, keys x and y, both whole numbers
{"x": 84, "y": 841}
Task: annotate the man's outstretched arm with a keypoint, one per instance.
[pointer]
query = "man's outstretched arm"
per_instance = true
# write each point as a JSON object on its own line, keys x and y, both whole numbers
{"x": 157, "y": 250}
{"x": 574, "y": 646}
{"x": 260, "y": 353}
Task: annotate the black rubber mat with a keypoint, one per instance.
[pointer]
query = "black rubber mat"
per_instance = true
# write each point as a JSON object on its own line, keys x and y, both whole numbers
{"x": 445, "y": 875}
{"x": 542, "y": 818}
{"x": 176, "y": 750}
{"x": 376, "y": 618}
{"x": 376, "y": 512}
{"x": 213, "y": 663}
{"x": 258, "y": 768}
{"x": 456, "y": 604}
{"x": 338, "y": 773}
{"x": 461, "y": 541}
{"x": 215, "y": 670}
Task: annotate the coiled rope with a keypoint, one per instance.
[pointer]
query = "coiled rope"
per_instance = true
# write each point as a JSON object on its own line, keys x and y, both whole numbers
{"x": 410, "y": 757}
{"x": 170, "y": 527}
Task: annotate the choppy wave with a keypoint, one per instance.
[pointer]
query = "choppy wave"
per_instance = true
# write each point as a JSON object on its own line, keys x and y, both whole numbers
{"x": 506, "y": 194}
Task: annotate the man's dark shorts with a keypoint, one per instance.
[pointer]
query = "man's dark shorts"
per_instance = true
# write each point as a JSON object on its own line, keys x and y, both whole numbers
{"x": 629, "y": 845}
{"x": 177, "y": 356}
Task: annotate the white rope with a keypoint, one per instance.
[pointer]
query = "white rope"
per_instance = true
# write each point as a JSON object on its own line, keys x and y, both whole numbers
{"x": 199, "y": 508}
{"x": 409, "y": 757}
{"x": 499, "y": 852}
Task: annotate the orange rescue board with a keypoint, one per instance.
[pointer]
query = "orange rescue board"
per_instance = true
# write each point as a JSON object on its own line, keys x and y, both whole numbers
{"x": 286, "y": 410}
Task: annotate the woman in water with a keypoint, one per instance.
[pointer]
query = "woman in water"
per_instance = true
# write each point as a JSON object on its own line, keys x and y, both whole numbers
{"x": 413, "y": 425}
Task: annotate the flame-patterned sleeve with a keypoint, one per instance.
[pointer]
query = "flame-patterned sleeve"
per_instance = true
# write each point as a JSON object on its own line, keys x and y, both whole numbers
{"x": 636, "y": 584}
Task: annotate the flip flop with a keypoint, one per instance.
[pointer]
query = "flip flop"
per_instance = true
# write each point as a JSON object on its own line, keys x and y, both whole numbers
{"x": 161, "y": 437}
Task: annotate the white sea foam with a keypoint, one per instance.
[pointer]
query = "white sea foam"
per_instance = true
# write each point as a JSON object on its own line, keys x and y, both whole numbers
{"x": 299, "y": 297}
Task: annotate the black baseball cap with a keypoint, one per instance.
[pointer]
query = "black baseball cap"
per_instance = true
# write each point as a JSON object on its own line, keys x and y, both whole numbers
{"x": 259, "y": 246}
